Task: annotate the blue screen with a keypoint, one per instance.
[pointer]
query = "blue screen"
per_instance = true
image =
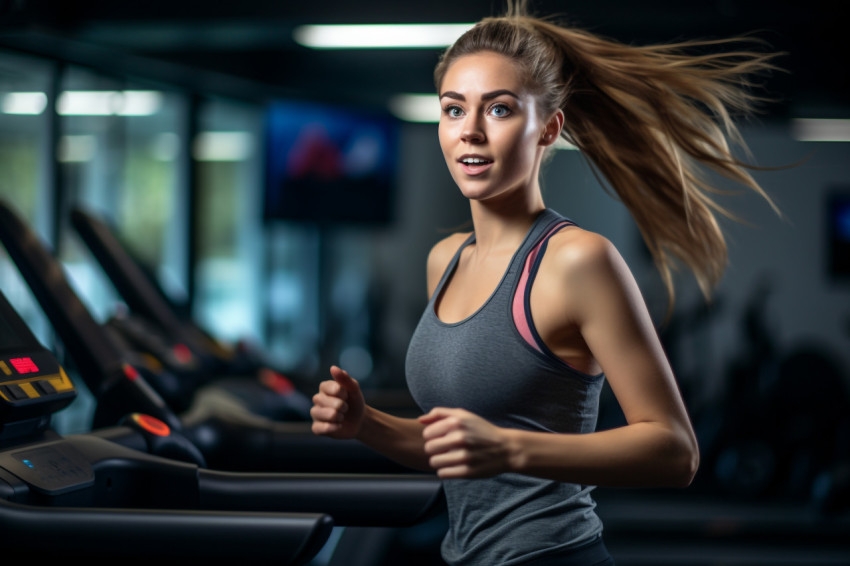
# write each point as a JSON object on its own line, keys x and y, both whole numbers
{"x": 329, "y": 164}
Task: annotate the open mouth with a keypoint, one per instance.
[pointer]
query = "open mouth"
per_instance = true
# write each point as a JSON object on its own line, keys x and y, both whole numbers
{"x": 474, "y": 164}
{"x": 473, "y": 161}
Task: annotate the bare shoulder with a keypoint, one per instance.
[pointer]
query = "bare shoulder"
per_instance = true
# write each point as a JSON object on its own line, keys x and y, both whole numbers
{"x": 440, "y": 256}
{"x": 443, "y": 250}
{"x": 589, "y": 269}
{"x": 576, "y": 251}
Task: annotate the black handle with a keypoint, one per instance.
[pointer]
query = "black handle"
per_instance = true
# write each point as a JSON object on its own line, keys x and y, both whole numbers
{"x": 126, "y": 533}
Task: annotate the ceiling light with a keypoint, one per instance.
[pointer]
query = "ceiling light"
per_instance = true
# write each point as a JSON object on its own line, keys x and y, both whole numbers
{"x": 379, "y": 36}
{"x": 108, "y": 103}
{"x": 821, "y": 130}
{"x": 32, "y": 103}
{"x": 86, "y": 103}
{"x": 416, "y": 107}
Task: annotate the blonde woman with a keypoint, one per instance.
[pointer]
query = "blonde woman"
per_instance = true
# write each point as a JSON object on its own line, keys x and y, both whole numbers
{"x": 529, "y": 312}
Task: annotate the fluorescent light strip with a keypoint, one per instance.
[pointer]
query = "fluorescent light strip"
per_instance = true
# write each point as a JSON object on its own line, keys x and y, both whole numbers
{"x": 423, "y": 108}
{"x": 108, "y": 103}
{"x": 820, "y": 130}
{"x": 25, "y": 103}
{"x": 85, "y": 103}
{"x": 379, "y": 36}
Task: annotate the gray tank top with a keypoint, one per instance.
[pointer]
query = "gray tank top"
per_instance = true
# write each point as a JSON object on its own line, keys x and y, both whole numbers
{"x": 495, "y": 366}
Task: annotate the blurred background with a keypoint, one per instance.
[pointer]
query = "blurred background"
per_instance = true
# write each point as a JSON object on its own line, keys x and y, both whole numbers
{"x": 284, "y": 195}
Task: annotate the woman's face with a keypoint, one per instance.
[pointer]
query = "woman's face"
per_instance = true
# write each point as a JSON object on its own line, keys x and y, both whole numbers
{"x": 490, "y": 132}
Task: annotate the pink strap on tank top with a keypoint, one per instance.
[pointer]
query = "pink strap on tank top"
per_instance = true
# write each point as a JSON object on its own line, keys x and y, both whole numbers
{"x": 521, "y": 321}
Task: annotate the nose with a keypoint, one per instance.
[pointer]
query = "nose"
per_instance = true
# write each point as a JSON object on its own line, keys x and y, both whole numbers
{"x": 472, "y": 131}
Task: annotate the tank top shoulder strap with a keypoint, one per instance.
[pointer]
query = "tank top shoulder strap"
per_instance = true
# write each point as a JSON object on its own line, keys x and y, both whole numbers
{"x": 451, "y": 266}
{"x": 520, "y": 303}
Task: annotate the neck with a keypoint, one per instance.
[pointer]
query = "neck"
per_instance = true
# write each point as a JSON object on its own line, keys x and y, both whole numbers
{"x": 506, "y": 222}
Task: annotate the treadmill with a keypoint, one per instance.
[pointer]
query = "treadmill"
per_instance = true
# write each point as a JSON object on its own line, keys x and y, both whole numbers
{"x": 90, "y": 497}
{"x": 229, "y": 434}
{"x": 343, "y": 479}
{"x": 152, "y": 325}
{"x": 156, "y": 325}
{"x": 140, "y": 488}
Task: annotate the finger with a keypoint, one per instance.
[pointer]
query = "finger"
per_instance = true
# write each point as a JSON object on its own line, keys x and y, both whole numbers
{"x": 448, "y": 459}
{"x": 443, "y": 447}
{"x": 461, "y": 464}
{"x": 453, "y": 464}
{"x": 333, "y": 388}
{"x": 333, "y": 402}
{"x": 326, "y": 414}
{"x": 442, "y": 427}
{"x": 325, "y": 428}
{"x": 436, "y": 414}
{"x": 343, "y": 378}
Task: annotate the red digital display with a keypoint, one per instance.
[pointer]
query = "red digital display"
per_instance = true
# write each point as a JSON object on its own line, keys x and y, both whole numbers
{"x": 24, "y": 365}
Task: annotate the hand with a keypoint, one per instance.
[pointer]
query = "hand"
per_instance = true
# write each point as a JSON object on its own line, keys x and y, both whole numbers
{"x": 463, "y": 445}
{"x": 338, "y": 407}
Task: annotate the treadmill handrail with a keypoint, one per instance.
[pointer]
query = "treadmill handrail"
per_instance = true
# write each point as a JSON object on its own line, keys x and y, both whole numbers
{"x": 351, "y": 499}
{"x": 292, "y": 538}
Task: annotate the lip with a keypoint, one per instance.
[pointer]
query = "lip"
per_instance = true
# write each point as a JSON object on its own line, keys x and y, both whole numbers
{"x": 474, "y": 169}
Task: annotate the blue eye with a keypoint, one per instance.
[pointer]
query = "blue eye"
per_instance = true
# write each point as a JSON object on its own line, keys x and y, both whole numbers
{"x": 453, "y": 111}
{"x": 500, "y": 111}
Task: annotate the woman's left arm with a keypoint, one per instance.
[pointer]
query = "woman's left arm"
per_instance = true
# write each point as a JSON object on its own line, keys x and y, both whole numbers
{"x": 657, "y": 446}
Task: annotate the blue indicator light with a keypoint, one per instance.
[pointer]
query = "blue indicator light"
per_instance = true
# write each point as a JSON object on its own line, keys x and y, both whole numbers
{"x": 28, "y": 464}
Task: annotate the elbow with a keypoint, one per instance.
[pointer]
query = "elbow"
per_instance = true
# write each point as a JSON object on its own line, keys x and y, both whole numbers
{"x": 685, "y": 464}
{"x": 676, "y": 461}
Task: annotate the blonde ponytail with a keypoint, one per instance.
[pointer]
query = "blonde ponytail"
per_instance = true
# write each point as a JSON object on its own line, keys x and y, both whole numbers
{"x": 652, "y": 120}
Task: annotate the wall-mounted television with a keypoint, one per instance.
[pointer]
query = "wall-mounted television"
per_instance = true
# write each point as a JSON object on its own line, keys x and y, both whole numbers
{"x": 329, "y": 164}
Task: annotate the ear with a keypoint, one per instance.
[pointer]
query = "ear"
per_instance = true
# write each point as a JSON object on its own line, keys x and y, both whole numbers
{"x": 552, "y": 129}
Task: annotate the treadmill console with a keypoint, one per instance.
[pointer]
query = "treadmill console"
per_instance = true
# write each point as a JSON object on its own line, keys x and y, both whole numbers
{"x": 32, "y": 383}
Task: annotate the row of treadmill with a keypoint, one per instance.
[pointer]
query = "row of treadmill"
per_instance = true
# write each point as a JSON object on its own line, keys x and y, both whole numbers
{"x": 197, "y": 451}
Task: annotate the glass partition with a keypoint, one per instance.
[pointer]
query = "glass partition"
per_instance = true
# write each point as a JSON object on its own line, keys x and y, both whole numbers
{"x": 229, "y": 239}
{"x": 119, "y": 158}
{"x": 26, "y": 165}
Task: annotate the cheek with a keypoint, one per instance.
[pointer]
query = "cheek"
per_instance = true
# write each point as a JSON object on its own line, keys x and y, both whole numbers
{"x": 522, "y": 146}
{"x": 444, "y": 137}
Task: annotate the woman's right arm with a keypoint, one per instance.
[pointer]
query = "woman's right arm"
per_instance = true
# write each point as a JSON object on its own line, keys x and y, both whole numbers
{"x": 340, "y": 411}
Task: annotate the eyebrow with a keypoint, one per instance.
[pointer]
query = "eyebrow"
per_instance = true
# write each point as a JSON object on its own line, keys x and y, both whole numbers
{"x": 486, "y": 96}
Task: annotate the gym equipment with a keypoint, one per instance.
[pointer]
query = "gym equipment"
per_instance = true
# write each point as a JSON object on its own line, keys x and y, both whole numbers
{"x": 230, "y": 436}
{"x": 89, "y": 496}
{"x": 223, "y": 435}
{"x": 153, "y": 326}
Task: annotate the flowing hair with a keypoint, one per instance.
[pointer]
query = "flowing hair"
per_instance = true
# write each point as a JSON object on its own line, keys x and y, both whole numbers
{"x": 652, "y": 120}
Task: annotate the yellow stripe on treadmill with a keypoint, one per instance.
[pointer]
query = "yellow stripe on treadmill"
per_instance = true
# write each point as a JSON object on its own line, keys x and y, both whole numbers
{"x": 30, "y": 390}
{"x": 60, "y": 381}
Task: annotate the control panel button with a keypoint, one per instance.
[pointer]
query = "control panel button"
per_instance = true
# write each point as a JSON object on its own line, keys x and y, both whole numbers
{"x": 14, "y": 392}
